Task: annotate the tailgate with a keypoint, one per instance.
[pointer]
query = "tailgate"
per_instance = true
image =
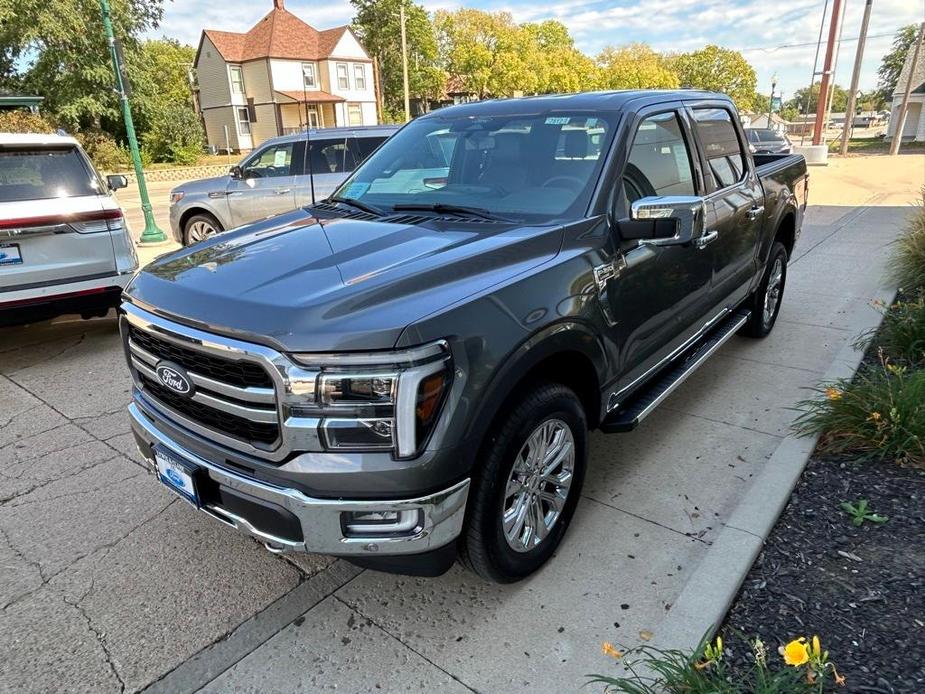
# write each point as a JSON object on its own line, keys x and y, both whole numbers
{"x": 53, "y": 241}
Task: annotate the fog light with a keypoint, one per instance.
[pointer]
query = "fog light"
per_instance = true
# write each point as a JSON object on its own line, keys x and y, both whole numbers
{"x": 366, "y": 523}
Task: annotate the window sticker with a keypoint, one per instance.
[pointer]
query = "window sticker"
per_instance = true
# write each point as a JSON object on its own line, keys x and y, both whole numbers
{"x": 279, "y": 157}
{"x": 356, "y": 189}
{"x": 557, "y": 120}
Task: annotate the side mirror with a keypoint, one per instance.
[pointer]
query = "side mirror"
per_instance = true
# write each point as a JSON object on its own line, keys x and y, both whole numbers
{"x": 116, "y": 181}
{"x": 236, "y": 172}
{"x": 673, "y": 220}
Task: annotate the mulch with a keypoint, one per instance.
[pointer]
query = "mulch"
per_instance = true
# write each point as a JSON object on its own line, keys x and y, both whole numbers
{"x": 861, "y": 589}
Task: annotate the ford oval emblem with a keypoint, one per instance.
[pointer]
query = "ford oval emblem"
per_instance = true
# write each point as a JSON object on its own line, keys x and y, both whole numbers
{"x": 174, "y": 477}
{"x": 174, "y": 377}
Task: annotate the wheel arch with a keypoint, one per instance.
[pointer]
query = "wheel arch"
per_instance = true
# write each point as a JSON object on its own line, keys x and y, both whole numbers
{"x": 194, "y": 210}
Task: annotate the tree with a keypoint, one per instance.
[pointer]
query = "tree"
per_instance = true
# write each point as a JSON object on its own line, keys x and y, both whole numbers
{"x": 57, "y": 50}
{"x": 635, "y": 66}
{"x": 892, "y": 63}
{"x": 719, "y": 70}
{"x": 159, "y": 74}
{"x": 798, "y": 101}
{"x": 561, "y": 68}
{"x": 378, "y": 26}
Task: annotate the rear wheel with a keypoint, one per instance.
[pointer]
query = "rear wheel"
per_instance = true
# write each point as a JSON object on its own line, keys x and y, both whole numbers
{"x": 526, "y": 492}
{"x": 766, "y": 301}
{"x": 199, "y": 227}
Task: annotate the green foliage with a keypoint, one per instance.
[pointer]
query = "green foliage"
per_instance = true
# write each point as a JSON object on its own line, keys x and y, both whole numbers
{"x": 880, "y": 414}
{"x": 901, "y": 336}
{"x": 378, "y": 27}
{"x": 860, "y": 512}
{"x": 907, "y": 266}
{"x": 174, "y": 135}
{"x": 159, "y": 74}
{"x": 719, "y": 70}
{"x": 653, "y": 670}
{"x": 24, "y": 122}
{"x": 892, "y": 63}
{"x": 107, "y": 154}
{"x": 798, "y": 101}
{"x": 635, "y": 66}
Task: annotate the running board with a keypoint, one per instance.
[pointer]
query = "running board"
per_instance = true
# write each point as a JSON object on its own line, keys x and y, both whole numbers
{"x": 627, "y": 416}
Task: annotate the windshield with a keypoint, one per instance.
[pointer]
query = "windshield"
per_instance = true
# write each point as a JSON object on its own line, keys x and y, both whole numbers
{"x": 536, "y": 167}
{"x": 767, "y": 136}
{"x": 28, "y": 173}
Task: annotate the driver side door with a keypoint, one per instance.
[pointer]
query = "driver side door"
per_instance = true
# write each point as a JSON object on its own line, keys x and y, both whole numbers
{"x": 266, "y": 186}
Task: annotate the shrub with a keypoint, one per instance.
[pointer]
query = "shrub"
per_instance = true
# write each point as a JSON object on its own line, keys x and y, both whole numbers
{"x": 175, "y": 136}
{"x": 902, "y": 333}
{"x": 24, "y": 122}
{"x": 803, "y": 667}
{"x": 907, "y": 266}
{"x": 106, "y": 153}
{"x": 880, "y": 414}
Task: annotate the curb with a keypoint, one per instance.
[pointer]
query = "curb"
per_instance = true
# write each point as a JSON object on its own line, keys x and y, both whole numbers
{"x": 714, "y": 584}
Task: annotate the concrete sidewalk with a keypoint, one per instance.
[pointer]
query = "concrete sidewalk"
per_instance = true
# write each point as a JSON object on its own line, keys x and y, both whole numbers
{"x": 108, "y": 584}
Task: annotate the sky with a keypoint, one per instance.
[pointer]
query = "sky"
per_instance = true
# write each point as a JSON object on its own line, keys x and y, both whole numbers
{"x": 765, "y": 31}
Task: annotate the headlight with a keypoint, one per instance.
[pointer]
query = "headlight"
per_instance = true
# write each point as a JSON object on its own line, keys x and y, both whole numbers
{"x": 378, "y": 401}
{"x": 176, "y": 196}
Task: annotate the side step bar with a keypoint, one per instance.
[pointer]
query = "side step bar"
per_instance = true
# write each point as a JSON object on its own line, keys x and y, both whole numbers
{"x": 640, "y": 405}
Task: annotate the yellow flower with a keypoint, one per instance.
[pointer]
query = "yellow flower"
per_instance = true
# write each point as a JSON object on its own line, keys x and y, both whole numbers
{"x": 833, "y": 393}
{"x": 608, "y": 649}
{"x": 874, "y": 417}
{"x": 817, "y": 647}
{"x": 796, "y": 652}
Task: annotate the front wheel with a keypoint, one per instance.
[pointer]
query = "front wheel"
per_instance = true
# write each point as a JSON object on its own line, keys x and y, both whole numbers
{"x": 766, "y": 301}
{"x": 528, "y": 487}
{"x": 199, "y": 227}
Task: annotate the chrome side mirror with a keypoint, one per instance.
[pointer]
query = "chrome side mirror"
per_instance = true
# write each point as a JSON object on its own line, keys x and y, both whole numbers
{"x": 686, "y": 211}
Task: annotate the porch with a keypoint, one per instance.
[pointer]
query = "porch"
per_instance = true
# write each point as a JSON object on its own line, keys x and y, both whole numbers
{"x": 316, "y": 108}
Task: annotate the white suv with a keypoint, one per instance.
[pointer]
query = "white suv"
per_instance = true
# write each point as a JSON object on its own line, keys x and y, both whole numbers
{"x": 64, "y": 243}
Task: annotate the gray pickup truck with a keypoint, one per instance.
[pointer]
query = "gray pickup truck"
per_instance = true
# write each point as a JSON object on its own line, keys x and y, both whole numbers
{"x": 407, "y": 372}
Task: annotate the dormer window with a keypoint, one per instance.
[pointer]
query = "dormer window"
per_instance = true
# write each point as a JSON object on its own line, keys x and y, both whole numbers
{"x": 308, "y": 75}
{"x": 237, "y": 79}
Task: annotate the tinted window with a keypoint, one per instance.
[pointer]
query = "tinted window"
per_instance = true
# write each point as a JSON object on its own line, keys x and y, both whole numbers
{"x": 659, "y": 161}
{"x": 34, "y": 174}
{"x": 332, "y": 156}
{"x": 366, "y": 146}
{"x": 720, "y": 145}
{"x": 520, "y": 166}
{"x": 270, "y": 162}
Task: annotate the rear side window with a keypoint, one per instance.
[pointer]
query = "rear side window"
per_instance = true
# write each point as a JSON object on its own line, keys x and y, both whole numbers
{"x": 659, "y": 161}
{"x": 41, "y": 173}
{"x": 721, "y": 147}
{"x": 365, "y": 146}
{"x": 332, "y": 156}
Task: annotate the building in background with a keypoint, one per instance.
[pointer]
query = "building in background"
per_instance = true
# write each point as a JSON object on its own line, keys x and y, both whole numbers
{"x": 278, "y": 77}
{"x": 915, "y": 116}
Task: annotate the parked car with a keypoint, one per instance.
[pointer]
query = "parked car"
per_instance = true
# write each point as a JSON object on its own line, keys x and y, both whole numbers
{"x": 767, "y": 141}
{"x": 410, "y": 369}
{"x": 64, "y": 243}
{"x": 274, "y": 178}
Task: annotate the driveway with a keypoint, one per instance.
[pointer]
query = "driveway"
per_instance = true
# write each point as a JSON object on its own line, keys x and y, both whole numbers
{"x": 109, "y": 583}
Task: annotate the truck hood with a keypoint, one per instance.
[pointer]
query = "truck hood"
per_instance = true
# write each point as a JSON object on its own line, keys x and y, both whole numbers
{"x": 300, "y": 283}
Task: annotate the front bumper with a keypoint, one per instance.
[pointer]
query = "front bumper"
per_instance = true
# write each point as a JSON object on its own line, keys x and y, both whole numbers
{"x": 261, "y": 509}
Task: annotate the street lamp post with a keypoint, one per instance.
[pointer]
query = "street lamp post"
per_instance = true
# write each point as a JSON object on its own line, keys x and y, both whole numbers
{"x": 771, "y": 100}
{"x": 152, "y": 234}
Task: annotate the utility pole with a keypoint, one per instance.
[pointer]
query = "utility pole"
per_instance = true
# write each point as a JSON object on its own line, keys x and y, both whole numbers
{"x": 404, "y": 63}
{"x": 826, "y": 74}
{"x": 771, "y": 100}
{"x": 904, "y": 107}
{"x": 152, "y": 234}
{"x": 855, "y": 78}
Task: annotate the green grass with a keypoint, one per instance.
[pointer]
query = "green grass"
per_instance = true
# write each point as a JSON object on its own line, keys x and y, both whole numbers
{"x": 878, "y": 145}
{"x": 907, "y": 266}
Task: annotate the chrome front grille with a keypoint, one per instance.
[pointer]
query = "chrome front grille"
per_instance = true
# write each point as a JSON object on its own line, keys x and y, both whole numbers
{"x": 232, "y": 397}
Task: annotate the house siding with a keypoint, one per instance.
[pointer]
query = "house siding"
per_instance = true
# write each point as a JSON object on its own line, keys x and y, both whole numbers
{"x": 212, "y": 74}
{"x": 214, "y": 120}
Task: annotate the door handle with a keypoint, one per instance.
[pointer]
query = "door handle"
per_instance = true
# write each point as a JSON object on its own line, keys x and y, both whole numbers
{"x": 706, "y": 239}
{"x": 283, "y": 191}
{"x": 756, "y": 212}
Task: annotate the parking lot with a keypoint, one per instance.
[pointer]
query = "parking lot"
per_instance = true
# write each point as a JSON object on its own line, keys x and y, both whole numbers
{"x": 110, "y": 583}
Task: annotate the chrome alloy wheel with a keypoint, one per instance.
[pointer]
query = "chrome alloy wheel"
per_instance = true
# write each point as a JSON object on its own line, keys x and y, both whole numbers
{"x": 539, "y": 485}
{"x": 772, "y": 295}
{"x": 200, "y": 230}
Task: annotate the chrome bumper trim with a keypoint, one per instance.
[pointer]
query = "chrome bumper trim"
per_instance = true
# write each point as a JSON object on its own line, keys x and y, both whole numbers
{"x": 322, "y": 530}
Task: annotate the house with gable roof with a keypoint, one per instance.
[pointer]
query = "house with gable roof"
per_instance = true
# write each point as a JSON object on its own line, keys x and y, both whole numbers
{"x": 914, "y": 127}
{"x": 279, "y": 77}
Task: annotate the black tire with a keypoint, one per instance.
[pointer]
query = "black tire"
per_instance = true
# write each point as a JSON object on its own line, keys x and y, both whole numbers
{"x": 199, "y": 218}
{"x": 484, "y": 547}
{"x": 761, "y": 322}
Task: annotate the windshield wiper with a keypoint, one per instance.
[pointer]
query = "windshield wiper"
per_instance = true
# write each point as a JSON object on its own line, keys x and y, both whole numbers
{"x": 353, "y": 202}
{"x": 452, "y": 209}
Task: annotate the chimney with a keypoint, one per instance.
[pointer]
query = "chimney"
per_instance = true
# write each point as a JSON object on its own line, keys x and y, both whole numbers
{"x": 279, "y": 4}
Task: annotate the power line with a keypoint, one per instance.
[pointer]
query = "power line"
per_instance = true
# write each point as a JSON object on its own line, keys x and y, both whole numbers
{"x": 771, "y": 49}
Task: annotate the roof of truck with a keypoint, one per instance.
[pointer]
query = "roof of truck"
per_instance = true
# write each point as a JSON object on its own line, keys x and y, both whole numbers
{"x": 36, "y": 139}
{"x": 583, "y": 101}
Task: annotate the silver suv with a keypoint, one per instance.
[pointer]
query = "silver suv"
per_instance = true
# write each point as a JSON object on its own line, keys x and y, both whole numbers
{"x": 276, "y": 177}
{"x": 64, "y": 243}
